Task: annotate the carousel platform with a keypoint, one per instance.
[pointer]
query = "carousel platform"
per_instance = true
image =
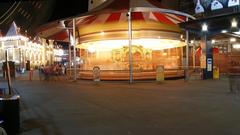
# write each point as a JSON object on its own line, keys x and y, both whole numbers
{"x": 124, "y": 74}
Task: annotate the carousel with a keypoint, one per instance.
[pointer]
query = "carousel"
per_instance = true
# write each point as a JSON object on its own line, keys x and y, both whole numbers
{"x": 125, "y": 39}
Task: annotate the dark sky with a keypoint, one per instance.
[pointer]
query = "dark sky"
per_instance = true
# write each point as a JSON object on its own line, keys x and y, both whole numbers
{"x": 64, "y": 8}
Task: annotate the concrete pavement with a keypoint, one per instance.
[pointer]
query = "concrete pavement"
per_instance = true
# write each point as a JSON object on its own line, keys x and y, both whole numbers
{"x": 117, "y": 108}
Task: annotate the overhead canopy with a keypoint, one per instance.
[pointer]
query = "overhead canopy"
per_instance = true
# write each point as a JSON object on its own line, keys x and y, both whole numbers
{"x": 216, "y": 22}
{"x": 113, "y": 11}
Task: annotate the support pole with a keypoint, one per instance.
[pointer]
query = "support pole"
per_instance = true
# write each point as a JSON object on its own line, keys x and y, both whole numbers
{"x": 187, "y": 55}
{"x": 8, "y": 74}
{"x": 74, "y": 49}
{"x": 130, "y": 45}
{"x": 70, "y": 54}
{"x": 194, "y": 54}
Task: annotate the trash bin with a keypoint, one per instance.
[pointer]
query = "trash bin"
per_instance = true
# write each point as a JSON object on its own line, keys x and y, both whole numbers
{"x": 10, "y": 113}
{"x": 215, "y": 72}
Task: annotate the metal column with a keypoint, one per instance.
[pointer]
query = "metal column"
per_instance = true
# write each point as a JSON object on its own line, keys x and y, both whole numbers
{"x": 70, "y": 54}
{"x": 130, "y": 45}
{"x": 187, "y": 55}
{"x": 74, "y": 49}
{"x": 194, "y": 54}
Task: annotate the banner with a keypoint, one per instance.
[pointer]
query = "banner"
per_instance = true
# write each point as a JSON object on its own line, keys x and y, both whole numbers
{"x": 210, "y": 5}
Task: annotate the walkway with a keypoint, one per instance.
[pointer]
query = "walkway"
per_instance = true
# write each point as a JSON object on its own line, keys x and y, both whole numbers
{"x": 117, "y": 108}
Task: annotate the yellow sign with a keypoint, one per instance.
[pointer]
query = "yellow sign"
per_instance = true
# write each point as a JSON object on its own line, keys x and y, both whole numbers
{"x": 215, "y": 73}
{"x": 160, "y": 73}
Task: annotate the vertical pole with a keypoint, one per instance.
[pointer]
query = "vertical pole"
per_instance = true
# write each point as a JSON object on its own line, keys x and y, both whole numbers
{"x": 70, "y": 54}
{"x": 194, "y": 54}
{"x": 8, "y": 74}
{"x": 130, "y": 45}
{"x": 187, "y": 55}
{"x": 74, "y": 49}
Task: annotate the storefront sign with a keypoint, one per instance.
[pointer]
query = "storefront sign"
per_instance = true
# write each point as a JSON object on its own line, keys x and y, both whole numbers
{"x": 160, "y": 73}
{"x": 210, "y": 5}
{"x": 209, "y": 64}
{"x": 96, "y": 73}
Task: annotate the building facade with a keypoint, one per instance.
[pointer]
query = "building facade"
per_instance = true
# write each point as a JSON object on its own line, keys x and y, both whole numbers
{"x": 26, "y": 53}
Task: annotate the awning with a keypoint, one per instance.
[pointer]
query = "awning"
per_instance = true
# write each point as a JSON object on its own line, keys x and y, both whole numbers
{"x": 54, "y": 31}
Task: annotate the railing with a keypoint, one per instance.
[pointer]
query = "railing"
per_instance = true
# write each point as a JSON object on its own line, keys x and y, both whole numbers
{"x": 124, "y": 74}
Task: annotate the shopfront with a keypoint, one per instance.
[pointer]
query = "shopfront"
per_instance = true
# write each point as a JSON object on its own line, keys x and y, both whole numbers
{"x": 217, "y": 31}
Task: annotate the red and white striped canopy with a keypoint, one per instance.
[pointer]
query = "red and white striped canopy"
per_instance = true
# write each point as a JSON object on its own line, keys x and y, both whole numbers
{"x": 54, "y": 31}
{"x": 58, "y": 32}
{"x": 119, "y": 17}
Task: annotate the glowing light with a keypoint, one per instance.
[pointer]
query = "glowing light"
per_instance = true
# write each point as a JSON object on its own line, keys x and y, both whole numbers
{"x": 236, "y": 46}
{"x": 238, "y": 32}
{"x": 91, "y": 49}
{"x": 58, "y": 52}
{"x": 181, "y": 36}
{"x": 13, "y": 38}
{"x": 234, "y": 23}
{"x": 224, "y": 31}
{"x": 204, "y": 27}
{"x": 213, "y": 41}
{"x": 232, "y": 39}
{"x": 108, "y": 45}
{"x": 102, "y": 33}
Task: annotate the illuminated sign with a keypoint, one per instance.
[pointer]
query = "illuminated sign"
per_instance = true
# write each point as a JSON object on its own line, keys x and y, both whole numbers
{"x": 210, "y": 5}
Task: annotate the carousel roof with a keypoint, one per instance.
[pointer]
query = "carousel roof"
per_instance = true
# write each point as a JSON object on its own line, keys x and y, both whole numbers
{"x": 113, "y": 11}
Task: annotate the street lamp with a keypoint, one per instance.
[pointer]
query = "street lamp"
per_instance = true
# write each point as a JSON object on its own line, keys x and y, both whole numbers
{"x": 204, "y": 27}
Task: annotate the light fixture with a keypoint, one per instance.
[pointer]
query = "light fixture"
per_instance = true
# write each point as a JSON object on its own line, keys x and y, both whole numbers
{"x": 224, "y": 31}
{"x": 234, "y": 23}
{"x": 109, "y": 45}
{"x": 102, "y": 33}
{"x": 192, "y": 42}
{"x": 232, "y": 39}
{"x": 236, "y": 46}
{"x": 181, "y": 37}
{"x": 164, "y": 54}
{"x": 237, "y": 32}
{"x": 204, "y": 27}
{"x": 213, "y": 41}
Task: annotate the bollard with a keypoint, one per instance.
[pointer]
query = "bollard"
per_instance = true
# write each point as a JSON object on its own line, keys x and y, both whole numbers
{"x": 160, "y": 73}
{"x": 30, "y": 74}
{"x": 215, "y": 73}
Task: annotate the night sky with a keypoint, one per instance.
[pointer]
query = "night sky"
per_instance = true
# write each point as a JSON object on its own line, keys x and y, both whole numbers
{"x": 64, "y": 9}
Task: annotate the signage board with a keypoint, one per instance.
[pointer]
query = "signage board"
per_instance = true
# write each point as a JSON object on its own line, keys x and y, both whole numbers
{"x": 210, "y": 5}
{"x": 209, "y": 64}
{"x": 96, "y": 73}
{"x": 160, "y": 73}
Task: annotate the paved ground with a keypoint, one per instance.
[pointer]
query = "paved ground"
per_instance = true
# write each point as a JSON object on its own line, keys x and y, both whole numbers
{"x": 117, "y": 108}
